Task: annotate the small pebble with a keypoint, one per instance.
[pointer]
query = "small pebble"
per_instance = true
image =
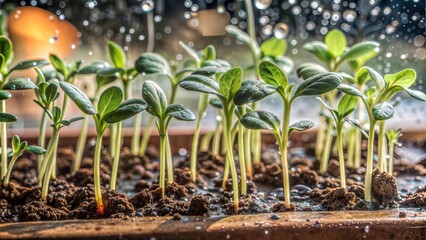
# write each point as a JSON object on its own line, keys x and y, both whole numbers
{"x": 275, "y": 216}
{"x": 139, "y": 214}
{"x": 176, "y": 216}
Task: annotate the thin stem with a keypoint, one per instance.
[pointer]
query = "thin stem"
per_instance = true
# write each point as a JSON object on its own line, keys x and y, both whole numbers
{"x": 44, "y": 177}
{"x": 351, "y": 147}
{"x": 112, "y": 136}
{"x": 136, "y": 134}
{"x": 205, "y": 141}
{"x": 391, "y": 153}
{"x": 381, "y": 149}
{"x": 326, "y": 150}
{"x": 49, "y": 154}
{"x": 369, "y": 170}
{"x": 169, "y": 160}
{"x": 9, "y": 169}
{"x": 81, "y": 144}
{"x": 241, "y": 159}
{"x": 357, "y": 156}
{"x": 230, "y": 155}
{"x": 116, "y": 159}
{"x": 146, "y": 136}
{"x": 250, "y": 19}
{"x": 216, "y": 139}
{"x": 42, "y": 137}
{"x": 341, "y": 157}
{"x": 150, "y": 26}
{"x": 96, "y": 174}
{"x": 3, "y": 129}
{"x": 247, "y": 153}
{"x": 320, "y": 136}
{"x": 162, "y": 163}
{"x": 284, "y": 148}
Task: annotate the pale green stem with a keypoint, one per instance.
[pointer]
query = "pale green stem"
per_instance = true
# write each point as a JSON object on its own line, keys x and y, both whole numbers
{"x": 3, "y": 129}
{"x": 351, "y": 147}
{"x": 247, "y": 153}
{"x": 241, "y": 159}
{"x": 216, "y": 139}
{"x": 284, "y": 148}
{"x": 54, "y": 157}
{"x": 146, "y": 136}
{"x": 162, "y": 163}
{"x": 381, "y": 149}
{"x": 357, "y": 156}
{"x": 391, "y": 153}
{"x": 369, "y": 167}
{"x": 326, "y": 151}
{"x": 9, "y": 169}
{"x": 96, "y": 174}
{"x": 339, "y": 144}
{"x": 81, "y": 144}
{"x": 169, "y": 161}
{"x": 227, "y": 165}
{"x": 136, "y": 134}
{"x": 47, "y": 166}
{"x": 230, "y": 155}
{"x": 320, "y": 136}
{"x": 41, "y": 138}
{"x": 116, "y": 160}
{"x": 205, "y": 141}
{"x": 112, "y": 135}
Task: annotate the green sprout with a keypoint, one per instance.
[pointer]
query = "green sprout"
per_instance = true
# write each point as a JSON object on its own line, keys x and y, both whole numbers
{"x": 6, "y": 57}
{"x": 333, "y": 53}
{"x": 393, "y": 139}
{"x": 346, "y": 106}
{"x": 110, "y": 109}
{"x": 157, "y": 106}
{"x": 275, "y": 77}
{"x": 18, "y": 148}
{"x": 376, "y": 101}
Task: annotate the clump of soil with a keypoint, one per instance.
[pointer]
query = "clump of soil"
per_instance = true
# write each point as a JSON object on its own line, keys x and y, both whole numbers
{"x": 199, "y": 205}
{"x": 384, "y": 189}
{"x": 417, "y": 200}
{"x": 335, "y": 199}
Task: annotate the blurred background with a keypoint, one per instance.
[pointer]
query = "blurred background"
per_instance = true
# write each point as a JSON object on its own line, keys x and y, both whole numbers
{"x": 79, "y": 30}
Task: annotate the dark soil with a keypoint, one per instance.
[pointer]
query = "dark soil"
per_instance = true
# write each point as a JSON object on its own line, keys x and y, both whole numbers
{"x": 71, "y": 195}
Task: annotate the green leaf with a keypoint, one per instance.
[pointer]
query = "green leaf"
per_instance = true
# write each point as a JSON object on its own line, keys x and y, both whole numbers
{"x": 4, "y": 95}
{"x": 209, "y": 53}
{"x": 383, "y": 111}
{"x": 215, "y": 102}
{"x": 16, "y": 144}
{"x": 126, "y": 110}
{"x": 307, "y": 70}
{"x": 320, "y": 50}
{"x": 116, "y": 55}
{"x": 230, "y": 82}
{"x": 110, "y": 72}
{"x": 253, "y": 91}
{"x": 359, "y": 50}
{"x": 29, "y": 64}
{"x": 336, "y": 42}
{"x": 70, "y": 121}
{"x": 240, "y": 35}
{"x": 19, "y": 84}
{"x": 58, "y": 64}
{"x": 285, "y": 63}
{"x": 358, "y": 126}
{"x": 51, "y": 93}
{"x": 349, "y": 90}
{"x": 261, "y": 120}
{"x": 318, "y": 84}
{"x": 104, "y": 80}
{"x": 180, "y": 112}
{"x": 272, "y": 74}
{"x": 209, "y": 71}
{"x": 347, "y": 105}
{"x": 7, "y": 117}
{"x": 152, "y": 63}
{"x": 273, "y": 47}
{"x": 6, "y": 48}
{"x": 404, "y": 78}
{"x": 155, "y": 98}
{"x": 93, "y": 67}
{"x": 418, "y": 95}
{"x": 109, "y": 100}
{"x": 79, "y": 98}
{"x": 362, "y": 76}
{"x": 333, "y": 111}
{"x": 190, "y": 51}
{"x": 36, "y": 150}
{"x": 376, "y": 77}
{"x": 3, "y": 22}
{"x": 200, "y": 83}
{"x": 301, "y": 126}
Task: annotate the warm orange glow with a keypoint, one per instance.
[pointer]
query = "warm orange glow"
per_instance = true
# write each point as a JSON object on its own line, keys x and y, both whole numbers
{"x": 210, "y": 22}
{"x": 36, "y": 32}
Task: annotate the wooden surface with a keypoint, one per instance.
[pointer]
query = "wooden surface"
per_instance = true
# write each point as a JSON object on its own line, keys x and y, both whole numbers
{"x": 387, "y": 224}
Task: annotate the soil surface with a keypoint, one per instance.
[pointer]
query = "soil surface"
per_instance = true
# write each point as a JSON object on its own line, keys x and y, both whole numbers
{"x": 71, "y": 195}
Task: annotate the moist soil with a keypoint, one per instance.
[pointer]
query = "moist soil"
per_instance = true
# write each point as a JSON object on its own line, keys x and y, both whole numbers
{"x": 71, "y": 195}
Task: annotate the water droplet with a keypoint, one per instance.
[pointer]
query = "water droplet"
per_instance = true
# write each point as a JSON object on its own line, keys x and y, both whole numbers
{"x": 53, "y": 39}
{"x": 182, "y": 152}
{"x": 262, "y": 4}
{"x": 367, "y": 229}
{"x": 349, "y": 15}
{"x": 91, "y": 4}
{"x": 280, "y": 30}
{"x": 147, "y": 5}
{"x": 221, "y": 9}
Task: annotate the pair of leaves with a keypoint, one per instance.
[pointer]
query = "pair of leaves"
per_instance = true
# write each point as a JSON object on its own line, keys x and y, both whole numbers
{"x": 152, "y": 63}
{"x": 253, "y": 91}
{"x": 383, "y": 111}
{"x": 19, "y": 147}
{"x": 157, "y": 104}
{"x": 346, "y": 106}
{"x": 268, "y": 121}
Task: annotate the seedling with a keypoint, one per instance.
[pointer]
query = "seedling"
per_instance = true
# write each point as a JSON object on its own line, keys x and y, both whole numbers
{"x": 340, "y": 115}
{"x": 18, "y": 148}
{"x": 157, "y": 106}
{"x": 332, "y": 53}
{"x": 110, "y": 109}
{"x": 393, "y": 139}
{"x": 275, "y": 77}
{"x": 6, "y": 56}
{"x": 156, "y": 65}
{"x": 272, "y": 50}
{"x": 376, "y": 101}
